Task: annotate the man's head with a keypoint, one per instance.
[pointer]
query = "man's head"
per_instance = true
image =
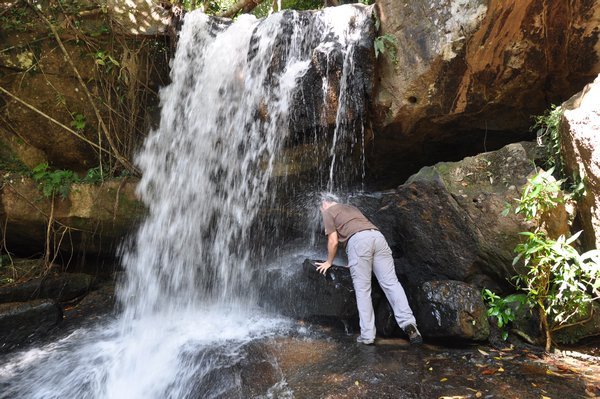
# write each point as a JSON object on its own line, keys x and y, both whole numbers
{"x": 328, "y": 200}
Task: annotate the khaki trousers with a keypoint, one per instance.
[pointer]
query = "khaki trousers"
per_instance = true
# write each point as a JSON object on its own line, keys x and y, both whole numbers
{"x": 368, "y": 252}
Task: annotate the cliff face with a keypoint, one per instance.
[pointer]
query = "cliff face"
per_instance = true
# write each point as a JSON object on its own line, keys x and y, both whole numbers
{"x": 79, "y": 88}
{"x": 469, "y": 74}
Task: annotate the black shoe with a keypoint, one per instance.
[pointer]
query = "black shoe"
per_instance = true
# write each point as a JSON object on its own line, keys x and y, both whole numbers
{"x": 413, "y": 334}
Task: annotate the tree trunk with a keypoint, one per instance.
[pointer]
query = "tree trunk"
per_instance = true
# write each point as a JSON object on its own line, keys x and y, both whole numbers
{"x": 545, "y": 328}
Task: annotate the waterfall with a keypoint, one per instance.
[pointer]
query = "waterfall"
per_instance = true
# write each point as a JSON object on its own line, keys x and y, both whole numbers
{"x": 238, "y": 100}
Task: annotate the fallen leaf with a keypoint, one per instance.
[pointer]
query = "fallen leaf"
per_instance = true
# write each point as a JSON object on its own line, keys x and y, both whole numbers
{"x": 552, "y": 373}
{"x": 356, "y": 383}
{"x": 443, "y": 379}
{"x": 500, "y": 370}
{"x": 564, "y": 368}
{"x": 488, "y": 371}
{"x": 484, "y": 353}
{"x": 478, "y": 394}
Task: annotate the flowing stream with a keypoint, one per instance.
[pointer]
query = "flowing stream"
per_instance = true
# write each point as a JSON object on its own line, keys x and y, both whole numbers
{"x": 188, "y": 299}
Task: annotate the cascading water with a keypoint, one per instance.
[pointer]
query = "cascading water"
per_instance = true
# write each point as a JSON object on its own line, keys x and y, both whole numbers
{"x": 207, "y": 175}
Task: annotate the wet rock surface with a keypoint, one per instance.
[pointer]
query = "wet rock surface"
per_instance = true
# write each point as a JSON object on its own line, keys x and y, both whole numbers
{"x": 311, "y": 295}
{"x": 337, "y": 367}
{"x": 452, "y": 309}
{"x": 60, "y": 287}
{"x": 23, "y": 321}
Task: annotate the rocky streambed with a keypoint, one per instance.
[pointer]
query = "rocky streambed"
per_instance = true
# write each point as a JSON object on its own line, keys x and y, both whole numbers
{"x": 307, "y": 360}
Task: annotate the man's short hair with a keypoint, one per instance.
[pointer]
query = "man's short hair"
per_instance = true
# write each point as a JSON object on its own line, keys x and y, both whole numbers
{"x": 329, "y": 197}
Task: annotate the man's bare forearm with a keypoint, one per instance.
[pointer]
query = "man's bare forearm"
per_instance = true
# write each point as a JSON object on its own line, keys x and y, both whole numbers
{"x": 332, "y": 246}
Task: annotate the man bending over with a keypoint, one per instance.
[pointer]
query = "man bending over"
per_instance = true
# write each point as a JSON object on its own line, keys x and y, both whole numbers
{"x": 367, "y": 252}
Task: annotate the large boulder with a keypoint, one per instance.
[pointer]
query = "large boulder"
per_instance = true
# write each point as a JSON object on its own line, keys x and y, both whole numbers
{"x": 447, "y": 221}
{"x": 21, "y": 321}
{"x": 90, "y": 222}
{"x": 580, "y": 148}
{"x": 452, "y": 309}
{"x": 312, "y": 295}
{"x": 469, "y": 74}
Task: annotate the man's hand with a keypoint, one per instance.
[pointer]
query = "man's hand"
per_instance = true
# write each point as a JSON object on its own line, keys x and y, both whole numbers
{"x": 323, "y": 266}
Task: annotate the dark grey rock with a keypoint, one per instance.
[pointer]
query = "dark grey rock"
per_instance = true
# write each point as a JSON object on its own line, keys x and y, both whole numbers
{"x": 451, "y": 309}
{"x": 62, "y": 287}
{"x": 22, "y": 321}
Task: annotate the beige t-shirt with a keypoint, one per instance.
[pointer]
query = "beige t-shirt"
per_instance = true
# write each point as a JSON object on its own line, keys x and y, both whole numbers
{"x": 346, "y": 220}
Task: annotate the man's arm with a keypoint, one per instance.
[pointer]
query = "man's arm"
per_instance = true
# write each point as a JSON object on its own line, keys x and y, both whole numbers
{"x": 332, "y": 246}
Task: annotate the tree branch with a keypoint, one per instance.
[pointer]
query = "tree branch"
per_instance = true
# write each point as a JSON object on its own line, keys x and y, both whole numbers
{"x": 246, "y": 5}
{"x": 51, "y": 119}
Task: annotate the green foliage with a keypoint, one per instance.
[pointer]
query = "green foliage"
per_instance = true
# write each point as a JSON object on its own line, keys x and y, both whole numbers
{"x": 541, "y": 193}
{"x": 105, "y": 59}
{"x": 263, "y": 9}
{"x": 558, "y": 278}
{"x": 60, "y": 181}
{"x": 94, "y": 176}
{"x": 78, "y": 122}
{"x": 547, "y": 127}
{"x": 501, "y": 309}
{"x": 53, "y": 183}
{"x": 386, "y": 44}
{"x": 103, "y": 29}
{"x": 577, "y": 187}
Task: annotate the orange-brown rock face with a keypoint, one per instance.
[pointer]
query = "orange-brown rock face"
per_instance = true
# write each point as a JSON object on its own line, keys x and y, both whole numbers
{"x": 470, "y": 74}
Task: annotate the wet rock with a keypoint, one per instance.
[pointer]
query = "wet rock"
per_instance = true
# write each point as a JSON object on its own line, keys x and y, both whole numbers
{"x": 250, "y": 373}
{"x": 318, "y": 98}
{"x": 580, "y": 147}
{"x": 21, "y": 321}
{"x": 469, "y": 74}
{"x": 313, "y": 296}
{"x": 451, "y": 309}
{"x": 318, "y": 296}
{"x": 258, "y": 370}
{"x": 62, "y": 288}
